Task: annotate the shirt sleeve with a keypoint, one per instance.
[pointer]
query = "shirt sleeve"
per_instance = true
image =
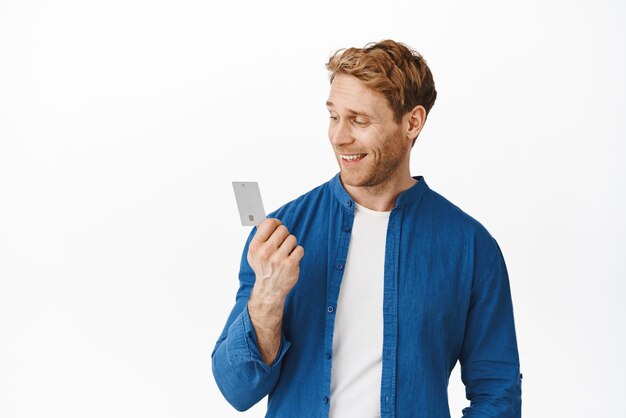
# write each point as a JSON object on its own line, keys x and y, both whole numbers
{"x": 489, "y": 356}
{"x": 238, "y": 367}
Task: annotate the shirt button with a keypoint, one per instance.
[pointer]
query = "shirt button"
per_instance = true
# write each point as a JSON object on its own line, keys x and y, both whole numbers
{"x": 328, "y": 356}
{"x": 348, "y": 203}
{"x": 325, "y": 399}
{"x": 346, "y": 228}
{"x": 386, "y": 398}
{"x": 339, "y": 266}
{"x": 330, "y": 309}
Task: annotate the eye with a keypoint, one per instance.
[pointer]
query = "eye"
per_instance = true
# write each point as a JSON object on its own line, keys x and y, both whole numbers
{"x": 360, "y": 122}
{"x": 334, "y": 118}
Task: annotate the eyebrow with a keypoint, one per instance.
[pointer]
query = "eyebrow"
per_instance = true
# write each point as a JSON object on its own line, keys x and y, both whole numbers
{"x": 354, "y": 112}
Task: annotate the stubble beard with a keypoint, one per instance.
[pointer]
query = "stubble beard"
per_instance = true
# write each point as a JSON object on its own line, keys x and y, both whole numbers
{"x": 375, "y": 176}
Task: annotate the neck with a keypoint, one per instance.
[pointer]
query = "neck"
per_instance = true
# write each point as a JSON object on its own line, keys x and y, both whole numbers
{"x": 380, "y": 197}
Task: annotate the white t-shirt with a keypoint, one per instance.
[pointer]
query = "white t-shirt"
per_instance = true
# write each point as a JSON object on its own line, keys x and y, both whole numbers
{"x": 358, "y": 338}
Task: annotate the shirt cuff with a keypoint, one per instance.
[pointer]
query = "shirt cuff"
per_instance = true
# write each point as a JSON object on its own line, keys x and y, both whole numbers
{"x": 242, "y": 345}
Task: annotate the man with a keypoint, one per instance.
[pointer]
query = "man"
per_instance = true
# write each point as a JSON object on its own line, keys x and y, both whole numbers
{"x": 397, "y": 283}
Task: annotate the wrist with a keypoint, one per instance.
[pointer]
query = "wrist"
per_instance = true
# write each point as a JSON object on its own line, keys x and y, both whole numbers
{"x": 266, "y": 301}
{"x": 266, "y": 312}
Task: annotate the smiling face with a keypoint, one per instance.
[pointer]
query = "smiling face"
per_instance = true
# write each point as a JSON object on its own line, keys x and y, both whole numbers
{"x": 362, "y": 125}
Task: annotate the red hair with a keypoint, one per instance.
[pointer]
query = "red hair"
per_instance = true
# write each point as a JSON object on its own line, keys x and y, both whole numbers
{"x": 391, "y": 68}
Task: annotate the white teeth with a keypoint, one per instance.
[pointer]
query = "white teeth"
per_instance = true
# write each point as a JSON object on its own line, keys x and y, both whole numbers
{"x": 352, "y": 157}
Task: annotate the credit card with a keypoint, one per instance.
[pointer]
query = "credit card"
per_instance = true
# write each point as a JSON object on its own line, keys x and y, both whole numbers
{"x": 249, "y": 202}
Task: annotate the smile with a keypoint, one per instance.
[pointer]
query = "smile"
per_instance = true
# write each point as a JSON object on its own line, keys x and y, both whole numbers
{"x": 352, "y": 157}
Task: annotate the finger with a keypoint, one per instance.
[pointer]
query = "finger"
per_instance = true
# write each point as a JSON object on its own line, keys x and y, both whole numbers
{"x": 288, "y": 245}
{"x": 297, "y": 253}
{"x": 278, "y": 236}
{"x": 265, "y": 229}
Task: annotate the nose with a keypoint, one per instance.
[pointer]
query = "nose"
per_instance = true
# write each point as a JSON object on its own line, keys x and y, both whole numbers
{"x": 340, "y": 133}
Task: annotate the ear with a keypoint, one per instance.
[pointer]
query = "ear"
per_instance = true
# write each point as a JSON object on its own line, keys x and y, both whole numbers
{"x": 415, "y": 121}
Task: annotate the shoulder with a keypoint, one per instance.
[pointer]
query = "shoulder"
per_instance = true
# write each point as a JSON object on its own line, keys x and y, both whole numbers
{"x": 449, "y": 218}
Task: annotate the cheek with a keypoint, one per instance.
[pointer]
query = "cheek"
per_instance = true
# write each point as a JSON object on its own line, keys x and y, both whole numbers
{"x": 378, "y": 133}
{"x": 375, "y": 141}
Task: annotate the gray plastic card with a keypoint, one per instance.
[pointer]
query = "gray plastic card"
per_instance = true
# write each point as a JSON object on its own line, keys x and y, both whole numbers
{"x": 249, "y": 202}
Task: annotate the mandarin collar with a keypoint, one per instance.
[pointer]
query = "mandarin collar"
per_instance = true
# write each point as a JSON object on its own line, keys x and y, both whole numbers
{"x": 410, "y": 195}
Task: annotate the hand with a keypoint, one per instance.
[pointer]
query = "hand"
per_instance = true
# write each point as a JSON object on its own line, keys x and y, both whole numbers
{"x": 275, "y": 258}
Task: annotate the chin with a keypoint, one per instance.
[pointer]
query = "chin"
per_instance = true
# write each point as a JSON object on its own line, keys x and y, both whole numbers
{"x": 355, "y": 181}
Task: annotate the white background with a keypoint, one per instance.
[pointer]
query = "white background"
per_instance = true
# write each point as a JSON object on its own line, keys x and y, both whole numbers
{"x": 123, "y": 123}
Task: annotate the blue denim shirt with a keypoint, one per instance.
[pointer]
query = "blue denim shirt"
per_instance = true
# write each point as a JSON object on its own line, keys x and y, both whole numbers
{"x": 446, "y": 298}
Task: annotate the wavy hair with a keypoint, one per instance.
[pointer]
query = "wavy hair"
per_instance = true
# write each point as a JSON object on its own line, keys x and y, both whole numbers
{"x": 391, "y": 68}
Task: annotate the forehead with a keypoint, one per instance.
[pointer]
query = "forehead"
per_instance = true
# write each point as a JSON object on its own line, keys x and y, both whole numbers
{"x": 349, "y": 93}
